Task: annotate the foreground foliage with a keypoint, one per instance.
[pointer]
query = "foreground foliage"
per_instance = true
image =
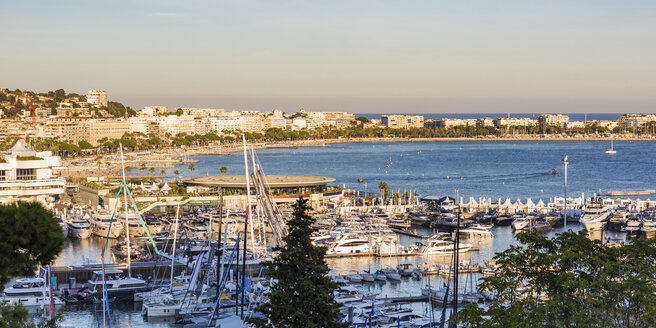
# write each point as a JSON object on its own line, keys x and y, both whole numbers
{"x": 303, "y": 294}
{"x": 569, "y": 281}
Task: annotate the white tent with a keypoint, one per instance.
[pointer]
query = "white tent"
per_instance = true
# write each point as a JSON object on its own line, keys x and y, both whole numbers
{"x": 507, "y": 203}
{"x": 529, "y": 203}
{"x": 540, "y": 203}
{"x": 472, "y": 201}
{"x": 142, "y": 186}
{"x": 165, "y": 188}
{"x": 154, "y": 188}
{"x": 519, "y": 203}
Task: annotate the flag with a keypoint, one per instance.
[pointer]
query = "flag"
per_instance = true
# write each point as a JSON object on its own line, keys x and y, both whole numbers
{"x": 372, "y": 308}
{"x": 398, "y": 321}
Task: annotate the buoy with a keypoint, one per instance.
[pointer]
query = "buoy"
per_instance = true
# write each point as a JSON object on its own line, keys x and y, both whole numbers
{"x": 422, "y": 174}
{"x": 503, "y": 183}
{"x": 541, "y": 191}
{"x": 385, "y": 172}
{"x": 447, "y": 177}
{"x": 460, "y": 178}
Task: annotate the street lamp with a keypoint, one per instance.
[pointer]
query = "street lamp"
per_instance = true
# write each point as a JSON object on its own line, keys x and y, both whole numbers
{"x": 564, "y": 160}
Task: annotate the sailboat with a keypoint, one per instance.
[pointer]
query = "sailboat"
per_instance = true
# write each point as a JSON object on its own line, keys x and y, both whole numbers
{"x": 611, "y": 150}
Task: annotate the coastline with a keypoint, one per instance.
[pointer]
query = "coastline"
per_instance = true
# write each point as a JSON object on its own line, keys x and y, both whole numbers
{"x": 172, "y": 155}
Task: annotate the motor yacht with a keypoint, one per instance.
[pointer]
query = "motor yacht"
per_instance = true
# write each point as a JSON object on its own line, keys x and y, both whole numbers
{"x": 595, "y": 215}
{"x": 29, "y": 292}
{"x": 350, "y": 243}
{"x": 438, "y": 245}
{"x": 118, "y": 285}
{"x": 79, "y": 228}
{"x": 100, "y": 226}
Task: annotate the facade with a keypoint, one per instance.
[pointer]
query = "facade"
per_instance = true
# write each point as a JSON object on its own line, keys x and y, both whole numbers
{"x": 97, "y": 98}
{"x": 403, "y": 121}
{"x": 202, "y": 112}
{"x": 485, "y": 122}
{"x": 557, "y": 120}
{"x": 451, "y": 122}
{"x": 26, "y": 175}
{"x": 635, "y": 120}
{"x": 153, "y": 111}
{"x": 277, "y": 184}
{"x": 514, "y": 121}
{"x": 106, "y": 128}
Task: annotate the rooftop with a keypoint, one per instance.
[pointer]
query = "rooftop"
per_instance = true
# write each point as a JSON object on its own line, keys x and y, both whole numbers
{"x": 273, "y": 181}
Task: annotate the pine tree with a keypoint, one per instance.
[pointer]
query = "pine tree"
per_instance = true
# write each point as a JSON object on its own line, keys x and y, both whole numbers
{"x": 303, "y": 294}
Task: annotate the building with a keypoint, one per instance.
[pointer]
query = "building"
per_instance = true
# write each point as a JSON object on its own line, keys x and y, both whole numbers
{"x": 452, "y": 122}
{"x": 150, "y": 111}
{"x": 484, "y": 122}
{"x": 635, "y": 120}
{"x": 202, "y": 112}
{"x": 557, "y": 120}
{"x": 106, "y": 129}
{"x": 403, "y": 121}
{"x": 514, "y": 121}
{"x": 26, "y": 175}
{"x": 97, "y": 98}
{"x": 277, "y": 184}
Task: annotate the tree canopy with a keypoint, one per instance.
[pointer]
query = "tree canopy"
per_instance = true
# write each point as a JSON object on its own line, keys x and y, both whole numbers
{"x": 569, "y": 281}
{"x": 303, "y": 294}
{"x": 30, "y": 236}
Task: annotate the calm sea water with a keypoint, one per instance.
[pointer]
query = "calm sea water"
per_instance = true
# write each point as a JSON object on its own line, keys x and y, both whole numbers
{"x": 477, "y": 169}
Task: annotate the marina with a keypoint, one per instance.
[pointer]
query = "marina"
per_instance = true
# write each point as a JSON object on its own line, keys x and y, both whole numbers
{"x": 387, "y": 253}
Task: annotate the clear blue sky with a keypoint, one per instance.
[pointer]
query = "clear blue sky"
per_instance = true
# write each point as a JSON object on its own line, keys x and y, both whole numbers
{"x": 358, "y": 56}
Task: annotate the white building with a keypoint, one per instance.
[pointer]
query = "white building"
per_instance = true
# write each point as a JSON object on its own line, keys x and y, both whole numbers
{"x": 557, "y": 120}
{"x": 97, "y": 98}
{"x": 26, "y": 175}
{"x": 515, "y": 121}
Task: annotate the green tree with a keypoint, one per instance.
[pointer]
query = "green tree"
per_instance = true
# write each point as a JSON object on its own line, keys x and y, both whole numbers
{"x": 191, "y": 168}
{"x": 569, "y": 281}
{"x": 84, "y": 145}
{"x": 151, "y": 170}
{"x": 384, "y": 189}
{"x": 176, "y": 173}
{"x": 142, "y": 168}
{"x": 303, "y": 294}
{"x": 223, "y": 170}
{"x": 31, "y": 237}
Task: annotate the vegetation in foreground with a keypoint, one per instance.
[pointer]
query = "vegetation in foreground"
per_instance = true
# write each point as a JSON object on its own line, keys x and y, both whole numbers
{"x": 303, "y": 293}
{"x": 569, "y": 281}
{"x": 31, "y": 237}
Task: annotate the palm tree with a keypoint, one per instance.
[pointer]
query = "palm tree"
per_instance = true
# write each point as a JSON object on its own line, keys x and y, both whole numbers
{"x": 151, "y": 170}
{"x": 142, "y": 168}
{"x": 223, "y": 170}
{"x": 176, "y": 173}
{"x": 191, "y": 168}
{"x": 384, "y": 189}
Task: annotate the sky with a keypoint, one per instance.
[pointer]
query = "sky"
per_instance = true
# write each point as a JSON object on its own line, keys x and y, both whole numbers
{"x": 356, "y": 55}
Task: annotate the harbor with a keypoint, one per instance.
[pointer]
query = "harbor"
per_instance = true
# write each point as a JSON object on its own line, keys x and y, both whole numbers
{"x": 393, "y": 250}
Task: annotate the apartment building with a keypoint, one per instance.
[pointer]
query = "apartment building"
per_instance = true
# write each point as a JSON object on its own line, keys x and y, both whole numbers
{"x": 403, "y": 121}
{"x": 557, "y": 120}
{"x": 97, "y": 98}
{"x": 514, "y": 121}
{"x": 635, "y": 120}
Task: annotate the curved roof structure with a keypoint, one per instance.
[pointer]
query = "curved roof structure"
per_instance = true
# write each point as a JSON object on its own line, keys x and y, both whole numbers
{"x": 273, "y": 181}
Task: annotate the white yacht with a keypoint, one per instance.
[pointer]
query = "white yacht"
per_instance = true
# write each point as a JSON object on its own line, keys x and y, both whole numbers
{"x": 79, "y": 228}
{"x": 520, "y": 223}
{"x": 100, "y": 226}
{"x": 29, "y": 292}
{"x": 443, "y": 246}
{"x": 595, "y": 215}
{"x": 477, "y": 230}
{"x": 350, "y": 243}
{"x": 118, "y": 285}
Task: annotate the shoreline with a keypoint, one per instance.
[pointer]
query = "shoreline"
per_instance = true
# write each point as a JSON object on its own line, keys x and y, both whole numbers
{"x": 171, "y": 155}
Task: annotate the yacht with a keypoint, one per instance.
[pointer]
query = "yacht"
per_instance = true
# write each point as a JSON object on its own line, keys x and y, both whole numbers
{"x": 595, "y": 215}
{"x": 477, "y": 230}
{"x": 118, "y": 285}
{"x": 520, "y": 223}
{"x": 29, "y": 292}
{"x": 443, "y": 246}
{"x": 100, "y": 226}
{"x": 79, "y": 228}
{"x": 350, "y": 243}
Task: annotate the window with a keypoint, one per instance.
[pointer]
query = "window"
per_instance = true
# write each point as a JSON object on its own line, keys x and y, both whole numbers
{"x": 3, "y": 175}
{"x": 25, "y": 174}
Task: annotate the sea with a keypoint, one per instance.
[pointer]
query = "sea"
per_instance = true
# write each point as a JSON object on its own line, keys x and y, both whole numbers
{"x": 491, "y": 169}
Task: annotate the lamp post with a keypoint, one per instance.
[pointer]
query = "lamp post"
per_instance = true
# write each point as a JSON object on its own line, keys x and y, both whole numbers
{"x": 564, "y": 160}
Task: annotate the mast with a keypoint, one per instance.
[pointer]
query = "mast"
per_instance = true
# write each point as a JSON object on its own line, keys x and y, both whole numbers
{"x": 249, "y": 203}
{"x": 125, "y": 202}
{"x": 175, "y": 238}
{"x": 248, "y": 214}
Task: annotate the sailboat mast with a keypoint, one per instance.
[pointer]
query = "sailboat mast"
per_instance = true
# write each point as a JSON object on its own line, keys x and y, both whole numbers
{"x": 175, "y": 239}
{"x": 246, "y": 219}
{"x": 125, "y": 202}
